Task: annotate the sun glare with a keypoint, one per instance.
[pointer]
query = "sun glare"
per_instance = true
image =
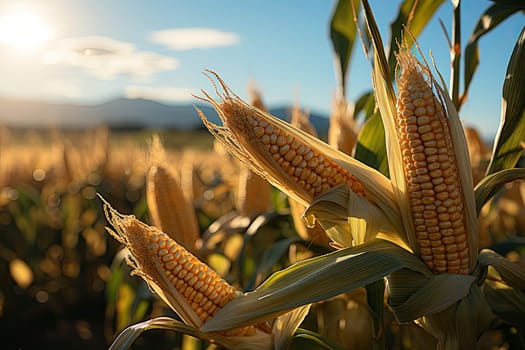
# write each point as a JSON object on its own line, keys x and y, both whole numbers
{"x": 24, "y": 29}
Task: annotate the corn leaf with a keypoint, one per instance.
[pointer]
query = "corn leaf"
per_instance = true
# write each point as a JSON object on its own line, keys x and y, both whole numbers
{"x": 286, "y": 325}
{"x": 343, "y": 33}
{"x": 422, "y": 14}
{"x": 259, "y": 341}
{"x": 386, "y": 101}
{"x": 414, "y": 295}
{"x": 270, "y": 257}
{"x": 371, "y": 148}
{"x": 511, "y": 273}
{"x": 508, "y": 303}
{"x": 375, "y": 298}
{"x": 315, "y": 279}
{"x": 491, "y": 184}
{"x": 473, "y": 317}
{"x": 365, "y": 104}
{"x": 320, "y": 341}
{"x": 130, "y": 334}
{"x": 490, "y": 19}
{"x": 509, "y": 144}
{"x": 348, "y": 218}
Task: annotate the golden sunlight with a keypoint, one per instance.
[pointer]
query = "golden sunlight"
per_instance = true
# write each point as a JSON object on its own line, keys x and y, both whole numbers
{"x": 24, "y": 29}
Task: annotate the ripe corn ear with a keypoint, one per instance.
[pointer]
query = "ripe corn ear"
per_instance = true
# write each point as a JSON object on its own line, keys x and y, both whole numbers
{"x": 190, "y": 287}
{"x": 431, "y": 171}
{"x": 169, "y": 210}
{"x": 342, "y": 133}
{"x": 273, "y": 151}
{"x": 479, "y": 153}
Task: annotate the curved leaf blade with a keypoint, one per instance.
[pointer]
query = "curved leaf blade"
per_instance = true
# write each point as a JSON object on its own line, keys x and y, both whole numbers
{"x": 320, "y": 341}
{"x": 371, "y": 146}
{"x": 507, "y": 303}
{"x": 343, "y": 32}
{"x": 509, "y": 145}
{"x": 488, "y": 21}
{"x": 511, "y": 273}
{"x": 128, "y": 336}
{"x": 490, "y": 185}
{"x": 423, "y": 13}
{"x": 315, "y": 279}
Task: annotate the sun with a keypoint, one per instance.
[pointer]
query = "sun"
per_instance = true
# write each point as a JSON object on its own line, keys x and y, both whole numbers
{"x": 24, "y": 29}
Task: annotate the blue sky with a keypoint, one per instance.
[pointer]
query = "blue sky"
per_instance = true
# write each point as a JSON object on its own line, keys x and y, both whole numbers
{"x": 92, "y": 51}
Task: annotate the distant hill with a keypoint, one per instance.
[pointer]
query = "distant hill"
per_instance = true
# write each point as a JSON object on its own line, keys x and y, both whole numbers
{"x": 119, "y": 113}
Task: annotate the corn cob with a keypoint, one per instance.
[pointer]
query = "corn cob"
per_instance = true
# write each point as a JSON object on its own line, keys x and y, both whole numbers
{"x": 190, "y": 287}
{"x": 342, "y": 133}
{"x": 169, "y": 210}
{"x": 431, "y": 171}
{"x": 273, "y": 152}
{"x": 253, "y": 193}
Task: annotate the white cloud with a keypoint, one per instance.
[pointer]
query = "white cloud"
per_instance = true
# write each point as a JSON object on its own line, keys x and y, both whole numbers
{"x": 194, "y": 38}
{"x": 107, "y": 58}
{"x": 160, "y": 93}
{"x": 63, "y": 88}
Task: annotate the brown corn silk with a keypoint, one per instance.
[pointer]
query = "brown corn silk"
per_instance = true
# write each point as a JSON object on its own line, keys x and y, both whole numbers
{"x": 267, "y": 146}
{"x": 169, "y": 209}
{"x": 315, "y": 234}
{"x": 431, "y": 171}
{"x": 342, "y": 133}
{"x": 190, "y": 287}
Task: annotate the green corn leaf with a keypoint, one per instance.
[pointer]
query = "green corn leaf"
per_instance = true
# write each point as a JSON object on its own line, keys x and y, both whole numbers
{"x": 375, "y": 297}
{"x": 511, "y": 273}
{"x": 413, "y": 295}
{"x": 509, "y": 144}
{"x": 508, "y": 303}
{"x": 371, "y": 147}
{"x": 127, "y": 337}
{"x": 315, "y": 279}
{"x": 423, "y": 13}
{"x": 343, "y": 34}
{"x": 490, "y": 185}
{"x": 489, "y": 20}
{"x": 270, "y": 257}
{"x": 365, "y": 104}
{"x": 319, "y": 341}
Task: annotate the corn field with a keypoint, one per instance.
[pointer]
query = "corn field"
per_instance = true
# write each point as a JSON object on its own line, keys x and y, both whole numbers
{"x": 399, "y": 229}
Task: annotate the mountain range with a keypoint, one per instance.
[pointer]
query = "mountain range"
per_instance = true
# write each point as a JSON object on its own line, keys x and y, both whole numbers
{"x": 121, "y": 113}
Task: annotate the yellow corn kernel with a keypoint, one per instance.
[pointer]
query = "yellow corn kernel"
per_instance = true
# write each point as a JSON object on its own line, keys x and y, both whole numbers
{"x": 290, "y": 162}
{"x": 431, "y": 171}
{"x": 189, "y": 286}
